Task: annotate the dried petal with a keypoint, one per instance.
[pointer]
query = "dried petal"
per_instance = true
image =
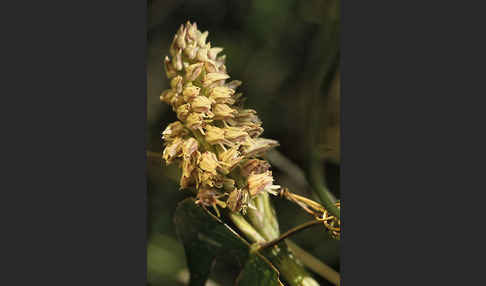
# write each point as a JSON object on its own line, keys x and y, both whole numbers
{"x": 213, "y": 77}
{"x": 223, "y": 112}
{"x": 173, "y": 130}
{"x": 189, "y": 147}
{"x": 229, "y": 159}
{"x": 253, "y": 130}
{"x": 257, "y": 146}
{"x": 222, "y": 94}
{"x": 235, "y": 134}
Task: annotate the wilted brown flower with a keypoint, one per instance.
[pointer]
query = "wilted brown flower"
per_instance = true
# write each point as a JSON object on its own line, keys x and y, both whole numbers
{"x": 261, "y": 182}
{"x": 209, "y": 162}
{"x": 238, "y": 200}
{"x": 255, "y": 166}
{"x": 173, "y": 150}
{"x": 174, "y": 130}
{"x": 229, "y": 158}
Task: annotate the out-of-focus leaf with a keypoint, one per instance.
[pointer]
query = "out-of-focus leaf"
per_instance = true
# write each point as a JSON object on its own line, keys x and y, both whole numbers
{"x": 165, "y": 257}
{"x": 205, "y": 237}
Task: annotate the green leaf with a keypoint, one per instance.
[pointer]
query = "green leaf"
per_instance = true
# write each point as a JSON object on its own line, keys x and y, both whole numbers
{"x": 205, "y": 237}
{"x": 257, "y": 271}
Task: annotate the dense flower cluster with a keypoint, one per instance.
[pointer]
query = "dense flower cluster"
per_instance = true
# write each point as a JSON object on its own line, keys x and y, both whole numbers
{"x": 216, "y": 141}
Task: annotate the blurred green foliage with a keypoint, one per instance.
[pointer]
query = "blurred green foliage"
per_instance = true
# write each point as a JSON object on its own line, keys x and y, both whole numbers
{"x": 286, "y": 52}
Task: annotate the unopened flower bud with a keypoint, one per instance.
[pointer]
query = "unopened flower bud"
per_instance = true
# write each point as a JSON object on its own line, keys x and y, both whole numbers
{"x": 213, "y": 52}
{"x": 193, "y": 71}
{"x": 192, "y": 31}
{"x": 177, "y": 60}
{"x": 181, "y": 37}
{"x": 190, "y": 92}
{"x": 191, "y": 51}
{"x": 202, "y": 54}
{"x": 169, "y": 68}
{"x": 176, "y": 83}
{"x": 202, "y": 39}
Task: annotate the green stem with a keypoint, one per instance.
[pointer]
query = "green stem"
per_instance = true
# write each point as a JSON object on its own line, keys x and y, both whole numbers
{"x": 246, "y": 228}
{"x": 327, "y": 199}
{"x": 270, "y": 214}
{"x": 319, "y": 267}
{"x": 261, "y": 218}
{"x": 291, "y": 270}
{"x": 289, "y": 233}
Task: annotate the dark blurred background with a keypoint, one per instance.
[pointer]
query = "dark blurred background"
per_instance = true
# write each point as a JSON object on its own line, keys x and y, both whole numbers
{"x": 286, "y": 52}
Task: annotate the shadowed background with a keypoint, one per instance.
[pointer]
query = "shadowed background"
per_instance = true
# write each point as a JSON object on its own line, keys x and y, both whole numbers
{"x": 286, "y": 52}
